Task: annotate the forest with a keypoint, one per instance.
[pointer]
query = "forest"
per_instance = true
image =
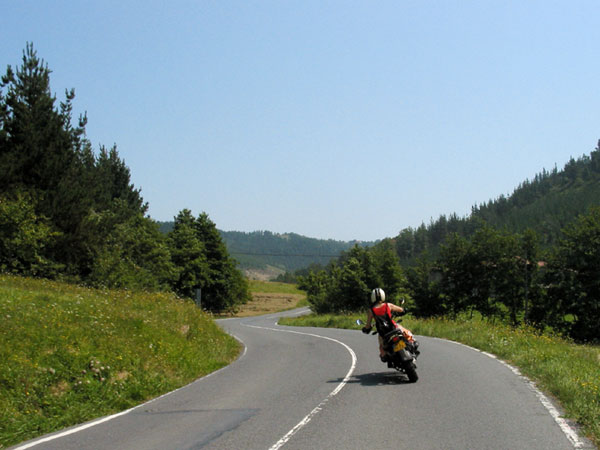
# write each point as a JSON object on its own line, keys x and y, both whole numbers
{"x": 531, "y": 258}
{"x": 71, "y": 214}
{"x": 546, "y": 204}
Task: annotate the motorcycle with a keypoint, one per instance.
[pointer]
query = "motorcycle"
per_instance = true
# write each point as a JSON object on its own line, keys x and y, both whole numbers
{"x": 401, "y": 354}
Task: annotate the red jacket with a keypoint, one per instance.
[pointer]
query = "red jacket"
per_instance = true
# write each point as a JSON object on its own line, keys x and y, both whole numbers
{"x": 384, "y": 310}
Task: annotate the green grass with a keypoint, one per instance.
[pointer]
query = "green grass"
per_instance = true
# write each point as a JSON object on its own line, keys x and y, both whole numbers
{"x": 567, "y": 371}
{"x": 69, "y": 354}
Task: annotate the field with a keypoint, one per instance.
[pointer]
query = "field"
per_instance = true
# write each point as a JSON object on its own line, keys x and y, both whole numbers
{"x": 270, "y": 297}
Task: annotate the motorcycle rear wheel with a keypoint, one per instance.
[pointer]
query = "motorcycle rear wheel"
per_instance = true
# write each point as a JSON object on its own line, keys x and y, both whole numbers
{"x": 411, "y": 371}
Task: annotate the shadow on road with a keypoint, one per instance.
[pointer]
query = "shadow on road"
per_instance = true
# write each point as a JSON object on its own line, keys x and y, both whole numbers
{"x": 376, "y": 378}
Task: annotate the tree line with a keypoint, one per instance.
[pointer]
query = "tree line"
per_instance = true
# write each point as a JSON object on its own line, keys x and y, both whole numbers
{"x": 496, "y": 274}
{"x": 288, "y": 251}
{"x": 69, "y": 213}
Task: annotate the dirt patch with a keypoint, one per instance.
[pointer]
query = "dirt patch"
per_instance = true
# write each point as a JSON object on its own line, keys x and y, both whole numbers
{"x": 123, "y": 375}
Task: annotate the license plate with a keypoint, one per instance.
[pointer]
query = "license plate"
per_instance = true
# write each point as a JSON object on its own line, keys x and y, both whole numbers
{"x": 399, "y": 346}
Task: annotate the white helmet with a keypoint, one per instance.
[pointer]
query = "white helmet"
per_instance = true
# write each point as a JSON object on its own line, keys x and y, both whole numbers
{"x": 377, "y": 295}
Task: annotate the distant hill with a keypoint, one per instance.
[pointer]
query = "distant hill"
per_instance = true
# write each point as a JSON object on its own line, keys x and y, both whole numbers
{"x": 545, "y": 204}
{"x": 264, "y": 254}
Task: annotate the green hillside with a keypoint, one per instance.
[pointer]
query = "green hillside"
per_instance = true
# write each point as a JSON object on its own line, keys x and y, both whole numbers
{"x": 545, "y": 204}
{"x": 288, "y": 251}
{"x": 69, "y": 354}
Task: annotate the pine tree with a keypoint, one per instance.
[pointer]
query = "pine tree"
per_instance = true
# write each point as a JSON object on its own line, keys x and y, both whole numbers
{"x": 203, "y": 262}
{"x": 48, "y": 159}
{"x": 39, "y": 141}
{"x": 188, "y": 254}
{"x": 224, "y": 288}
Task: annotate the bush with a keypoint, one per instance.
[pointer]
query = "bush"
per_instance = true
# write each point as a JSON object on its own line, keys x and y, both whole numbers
{"x": 24, "y": 237}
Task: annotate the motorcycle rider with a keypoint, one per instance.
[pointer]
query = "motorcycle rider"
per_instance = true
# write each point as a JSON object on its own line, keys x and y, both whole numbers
{"x": 380, "y": 308}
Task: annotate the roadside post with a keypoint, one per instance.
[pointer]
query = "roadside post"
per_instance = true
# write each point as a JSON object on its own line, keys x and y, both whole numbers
{"x": 199, "y": 297}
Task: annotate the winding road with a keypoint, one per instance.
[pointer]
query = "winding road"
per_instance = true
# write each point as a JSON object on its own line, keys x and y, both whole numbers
{"x": 315, "y": 388}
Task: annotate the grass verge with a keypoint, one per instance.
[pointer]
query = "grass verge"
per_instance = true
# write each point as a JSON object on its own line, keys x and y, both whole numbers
{"x": 567, "y": 371}
{"x": 69, "y": 354}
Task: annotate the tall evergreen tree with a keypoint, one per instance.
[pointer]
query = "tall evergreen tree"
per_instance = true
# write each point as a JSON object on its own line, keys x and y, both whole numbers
{"x": 199, "y": 252}
{"x": 188, "y": 253}
{"x": 224, "y": 285}
{"x": 47, "y": 158}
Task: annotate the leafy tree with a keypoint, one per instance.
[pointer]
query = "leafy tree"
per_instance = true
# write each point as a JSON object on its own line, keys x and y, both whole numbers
{"x": 24, "y": 237}
{"x": 574, "y": 279}
{"x": 316, "y": 284}
{"x": 130, "y": 253}
{"x": 495, "y": 273}
{"x": 530, "y": 258}
{"x": 457, "y": 278}
{"x": 349, "y": 291}
{"x": 287, "y": 277}
{"x": 426, "y": 294}
{"x": 393, "y": 280}
{"x": 345, "y": 285}
{"x": 367, "y": 263}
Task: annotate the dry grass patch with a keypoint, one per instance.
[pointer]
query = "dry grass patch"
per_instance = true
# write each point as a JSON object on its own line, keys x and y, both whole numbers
{"x": 60, "y": 388}
{"x": 269, "y": 302}
{"x": 270, "y": 297}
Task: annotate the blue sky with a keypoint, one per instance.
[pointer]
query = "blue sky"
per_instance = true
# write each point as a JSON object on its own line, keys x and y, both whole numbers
{"x": 332, "y": 119}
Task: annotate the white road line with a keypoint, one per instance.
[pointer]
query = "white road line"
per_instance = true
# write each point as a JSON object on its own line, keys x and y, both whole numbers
{"x": 568, "y": 431}
{"x": 281, "y": 442}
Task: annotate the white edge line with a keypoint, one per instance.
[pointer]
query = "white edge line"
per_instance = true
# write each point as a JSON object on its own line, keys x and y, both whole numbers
{"x": 568, "y": 431}
{"x": 114, "y": 416}
{"x": 281, "y": 442}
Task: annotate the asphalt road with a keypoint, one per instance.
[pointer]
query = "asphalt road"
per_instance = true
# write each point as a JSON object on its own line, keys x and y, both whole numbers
{"x": 315, "y": 388}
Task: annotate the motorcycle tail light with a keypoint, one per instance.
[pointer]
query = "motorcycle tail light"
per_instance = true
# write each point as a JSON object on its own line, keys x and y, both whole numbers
{"x": 395, "y": 339}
